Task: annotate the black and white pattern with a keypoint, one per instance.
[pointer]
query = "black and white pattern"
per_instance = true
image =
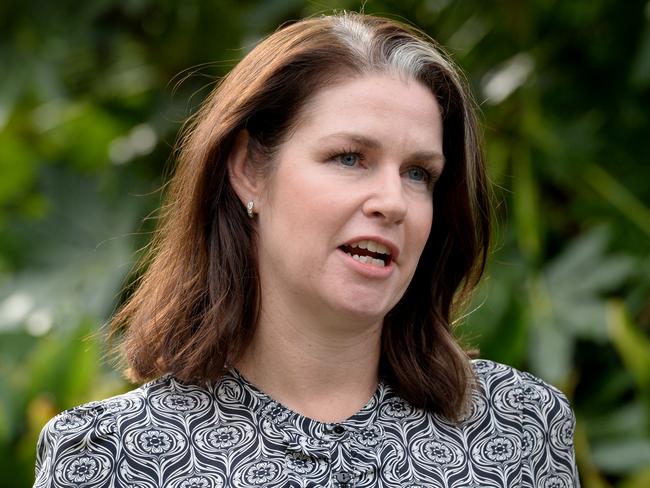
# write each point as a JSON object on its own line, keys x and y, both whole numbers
{"x": 173, "y": 435}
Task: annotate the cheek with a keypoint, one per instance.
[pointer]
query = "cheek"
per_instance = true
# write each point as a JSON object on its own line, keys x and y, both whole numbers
{"x": 307, "y": 196}
{"x": 300, "y": 207}
{"x": 421, "y": 226}
{"x": 297, "y": 208}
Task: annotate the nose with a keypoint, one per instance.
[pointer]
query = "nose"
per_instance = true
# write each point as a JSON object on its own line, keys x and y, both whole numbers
{"x": 386, "y": 197}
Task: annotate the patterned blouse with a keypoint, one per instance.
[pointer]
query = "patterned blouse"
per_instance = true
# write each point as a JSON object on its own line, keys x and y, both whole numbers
{"x": 169, "y": 434}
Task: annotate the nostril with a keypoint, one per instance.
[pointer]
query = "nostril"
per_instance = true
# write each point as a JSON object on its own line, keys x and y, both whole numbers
{"x": 387, "y": 206}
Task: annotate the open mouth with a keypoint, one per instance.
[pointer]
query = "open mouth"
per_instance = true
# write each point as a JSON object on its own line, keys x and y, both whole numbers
{"x": 368, "y": 252}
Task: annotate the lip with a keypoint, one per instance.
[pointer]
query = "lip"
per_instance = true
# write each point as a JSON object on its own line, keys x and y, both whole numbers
{"x": 392, "y": 247}
{"x": 367, "y": 270}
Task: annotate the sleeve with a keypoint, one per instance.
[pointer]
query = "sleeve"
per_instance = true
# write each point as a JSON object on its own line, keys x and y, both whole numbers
{"x": 76, "y": 448}
{"x": 548, "y": 428}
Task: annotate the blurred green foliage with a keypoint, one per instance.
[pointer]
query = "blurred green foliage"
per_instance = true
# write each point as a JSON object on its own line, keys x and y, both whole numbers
{"x": 92, "y": 95}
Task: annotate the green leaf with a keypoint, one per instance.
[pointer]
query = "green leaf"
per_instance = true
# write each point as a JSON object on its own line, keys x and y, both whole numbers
{"x": 631, "y": 343}
{"x": 526, "y": 207}
{"x": 551, "y": 351}
{"x": 17, "y": 167}
{"x": 623, "y": 455}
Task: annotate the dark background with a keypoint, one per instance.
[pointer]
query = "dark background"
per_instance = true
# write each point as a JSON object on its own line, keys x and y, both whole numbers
{"x": 92, "y": 95}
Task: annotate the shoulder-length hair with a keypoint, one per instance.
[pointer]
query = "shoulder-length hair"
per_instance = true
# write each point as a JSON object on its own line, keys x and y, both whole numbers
{"x": 194, "y": 309}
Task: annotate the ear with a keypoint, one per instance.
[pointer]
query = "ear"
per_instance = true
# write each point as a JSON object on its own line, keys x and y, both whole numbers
{"x": 245, "y": 180}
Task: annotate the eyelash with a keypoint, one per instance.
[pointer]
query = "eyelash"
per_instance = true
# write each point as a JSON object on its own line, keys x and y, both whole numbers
{"x": 337, "y": 155}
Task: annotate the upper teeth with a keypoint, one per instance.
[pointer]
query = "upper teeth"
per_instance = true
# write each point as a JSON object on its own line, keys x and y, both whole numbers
{"x": 371, "y": 246}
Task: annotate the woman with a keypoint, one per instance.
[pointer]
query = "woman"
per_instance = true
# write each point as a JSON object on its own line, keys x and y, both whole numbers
{"x": 328, "y": 213}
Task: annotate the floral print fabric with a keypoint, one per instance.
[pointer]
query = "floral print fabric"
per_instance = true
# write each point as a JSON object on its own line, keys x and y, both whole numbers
{"x": 519, "y": 433}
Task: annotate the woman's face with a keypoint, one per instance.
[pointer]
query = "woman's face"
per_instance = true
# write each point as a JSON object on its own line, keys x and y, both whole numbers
{"x": 347, "y": 210}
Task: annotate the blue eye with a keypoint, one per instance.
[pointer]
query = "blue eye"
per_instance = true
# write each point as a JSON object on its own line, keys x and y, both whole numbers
{"x": 418, "y": 174}
{"x": 348, "y": 159}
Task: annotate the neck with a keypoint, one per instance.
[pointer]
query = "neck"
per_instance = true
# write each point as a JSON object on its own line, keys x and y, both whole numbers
{"x": 326, "y": 373}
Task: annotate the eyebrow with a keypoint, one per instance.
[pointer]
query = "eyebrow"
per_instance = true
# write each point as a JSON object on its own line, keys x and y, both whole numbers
{"x": 372, "y": 143}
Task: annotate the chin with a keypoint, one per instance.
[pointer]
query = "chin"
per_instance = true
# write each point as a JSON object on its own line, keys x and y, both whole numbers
{"x": 360, "y": 311}
{"x": 359, "y": 304}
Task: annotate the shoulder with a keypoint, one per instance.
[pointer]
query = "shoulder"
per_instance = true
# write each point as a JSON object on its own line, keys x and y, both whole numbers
{"x": 543, "y": 411}
{"x": 163, "y": 394}
{"x": 495, "y": 379}
{"x": 509, "y": 390}
{"x": 530, "y": 409}
{"x": 87, "y": 437}
{"x": 82, "y": 417}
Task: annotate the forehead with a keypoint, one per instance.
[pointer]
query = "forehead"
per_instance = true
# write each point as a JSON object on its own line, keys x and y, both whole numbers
{"x": 382, "y": 105}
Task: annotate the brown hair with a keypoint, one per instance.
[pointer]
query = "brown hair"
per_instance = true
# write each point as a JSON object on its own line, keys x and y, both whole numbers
{"x": 195, "y": 308}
